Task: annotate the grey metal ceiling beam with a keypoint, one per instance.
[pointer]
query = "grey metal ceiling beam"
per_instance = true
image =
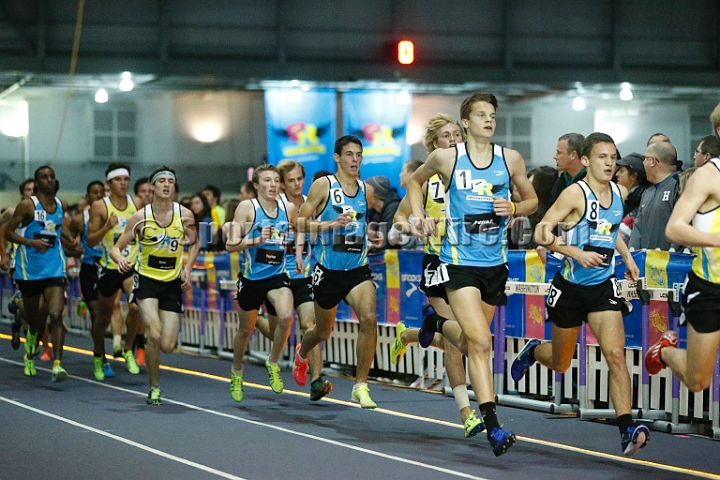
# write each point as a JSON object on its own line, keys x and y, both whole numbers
{"x": 246, "y": 70}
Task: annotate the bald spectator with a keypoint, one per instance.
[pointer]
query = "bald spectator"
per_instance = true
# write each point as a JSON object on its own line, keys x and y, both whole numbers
{"x": 657, "y": 138}
{"x": 567, "y": 157}
{"x": 709, "y": 147}
{"x": 658, "y": 200}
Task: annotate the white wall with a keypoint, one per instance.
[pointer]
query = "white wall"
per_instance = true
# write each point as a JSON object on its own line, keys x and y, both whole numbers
{"x": 551, "y": 120}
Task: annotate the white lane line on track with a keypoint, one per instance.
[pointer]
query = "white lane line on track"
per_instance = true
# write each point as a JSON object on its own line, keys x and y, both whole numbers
{"x": 570, "y": 448}
{"x": 225, "y": 415}
{"x": 154, "y": 451}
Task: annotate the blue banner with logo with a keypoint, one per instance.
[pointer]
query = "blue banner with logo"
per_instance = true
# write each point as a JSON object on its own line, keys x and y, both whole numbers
{"x": 380, "y": 119}
{"x": 301, "y": 126}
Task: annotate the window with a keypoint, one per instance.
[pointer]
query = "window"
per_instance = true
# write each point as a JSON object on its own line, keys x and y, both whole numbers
{"x": 114, "y": 133}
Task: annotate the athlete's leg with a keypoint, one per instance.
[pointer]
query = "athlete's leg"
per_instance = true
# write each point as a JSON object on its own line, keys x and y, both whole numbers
{"x": 55, "y": 302}
{"x": 610, "y": 333}
{"x": 149, "y": 312}
{"x": 247, "y": 319}
{"x": 691, "y": 366}
{"x": 282, "y": 300}
{"x": 133, "y": 322}
{"x": 558, "y": 353}
{"x": 321, "y": 331}
{"x": 362, "y": 299}
{"x": 106, "y": 306}
{"x": 306, "y": 317}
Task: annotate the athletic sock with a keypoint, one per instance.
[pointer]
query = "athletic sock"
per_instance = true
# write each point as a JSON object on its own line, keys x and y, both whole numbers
{"x": 624, "y": 422}
{"x": 489, "y": 415}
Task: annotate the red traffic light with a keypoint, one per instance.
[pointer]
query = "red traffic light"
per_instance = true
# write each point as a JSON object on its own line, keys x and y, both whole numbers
{"x": 406, "y": 52}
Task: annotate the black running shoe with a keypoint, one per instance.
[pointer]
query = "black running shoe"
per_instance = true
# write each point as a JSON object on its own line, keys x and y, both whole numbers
{"x": 319, "y": 388}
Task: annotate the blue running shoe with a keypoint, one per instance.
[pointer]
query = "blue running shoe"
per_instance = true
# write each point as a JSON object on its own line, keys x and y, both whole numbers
{"x": 634, "y": 438}
{"x": 108, "y": 370}
{"x": 427, "y": 331}
{"x": 522, "y": 363}
{"x": 500, "y": 440}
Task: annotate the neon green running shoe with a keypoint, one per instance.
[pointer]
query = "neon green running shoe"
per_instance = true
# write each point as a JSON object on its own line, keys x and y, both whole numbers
{"x": 117, "y": 351}
{"x": 236, "y": 386}
{"x": 473, "y": 425}
{"x": 397, "y": 351}
{"x": 361, "y": 394}
{"x": 98, "y": 369}
{"x": 29, "y": 369}
{"x": 276, "y": 381}
{"x": 130, "y": 362}
{"x": 58, "y": 373}
{"x": 154, "y": 396}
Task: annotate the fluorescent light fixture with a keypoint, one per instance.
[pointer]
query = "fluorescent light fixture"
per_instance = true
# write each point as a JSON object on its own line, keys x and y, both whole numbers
{"x": 126, "y": 83}
{"x": 625, "y": 93}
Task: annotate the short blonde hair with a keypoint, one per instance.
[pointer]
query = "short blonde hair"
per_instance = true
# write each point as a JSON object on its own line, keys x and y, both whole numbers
{"x": 287, "y": 166}
{"x": 435, "y": 124}
{"x": 715, "y": 118}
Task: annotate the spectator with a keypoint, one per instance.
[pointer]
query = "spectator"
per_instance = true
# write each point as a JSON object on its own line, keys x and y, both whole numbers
{"x": 143, "y": 191}
{"x": 631, "y": 175}
{"x": 200, "y": 208}
{"x": 212, "y": 193}
{"x": 567, "y": 157}
{"x": 320, "y": 173}
{"x": 709, "y": 147}
{"x": 383, "y": 202}
{"x": 543, "y": 180}
{"x": 658, "y": 200}
{"x": 407, "y": 171}
{"x": 658, "y": 137}
{"x": 247, "y": 192}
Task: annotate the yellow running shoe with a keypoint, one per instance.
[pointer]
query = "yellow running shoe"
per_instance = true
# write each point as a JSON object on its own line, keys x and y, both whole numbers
{"x": 361, "y": 394}
{"x": 236, "y": 386}
{"x": 276, "y": 381}
{"x": 130, "y": 363}
{"x": 473, "y": 425}
{"x": 58, "y": 373}
{"x": 397, "y": 351}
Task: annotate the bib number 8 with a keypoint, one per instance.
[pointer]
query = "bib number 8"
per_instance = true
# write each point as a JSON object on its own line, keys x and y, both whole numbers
{"x": 553, "y": 296}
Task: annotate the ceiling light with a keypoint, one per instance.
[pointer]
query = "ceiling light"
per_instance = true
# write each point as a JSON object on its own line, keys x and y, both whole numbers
{"x": 626, "y": 94}
{"x": 101, "y": 96}
{"x": 126, "y": 84}
{"x": 579, "y": 104}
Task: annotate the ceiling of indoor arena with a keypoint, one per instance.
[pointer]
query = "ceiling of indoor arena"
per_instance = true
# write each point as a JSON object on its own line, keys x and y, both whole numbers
{"x": 523, "y": 49}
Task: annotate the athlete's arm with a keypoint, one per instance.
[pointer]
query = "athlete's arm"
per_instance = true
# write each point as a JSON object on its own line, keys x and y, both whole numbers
{"x": 127, "y": 236}
{"x": 518, "y": 175}
{"x": 99, "y": 224}
{"x": 569, "y": 207}
{"x": 437, "y": 163}
{"x": 700, "y": 192}
{"x": 24, "y": 215}
{"x": 188, "y": 220}
{"x": 623, "y": 192}
{"x": 4, "y": 257}
{"x": 242, "y": 224}
{"x": 318, "y": 198}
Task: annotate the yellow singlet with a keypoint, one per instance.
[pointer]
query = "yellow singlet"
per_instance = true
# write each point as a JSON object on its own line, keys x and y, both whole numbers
{"x": 435, "y": 208}
{"x": 160, "y": 256}
{"x": 112, "y": 235}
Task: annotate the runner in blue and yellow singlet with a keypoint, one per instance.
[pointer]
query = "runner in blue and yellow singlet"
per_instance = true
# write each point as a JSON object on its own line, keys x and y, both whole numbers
{"x": 36, "y": 227}
{"x": 442, "y": 132}
{"x": 161, "y": 230}
{"x": 338, "y": 206}
{"x": 259, "y": 232}
{"x": 476, "y": 176}
{"x": 589, "y": 213}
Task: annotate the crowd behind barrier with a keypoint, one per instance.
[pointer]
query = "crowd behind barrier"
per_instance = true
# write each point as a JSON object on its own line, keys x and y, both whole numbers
{"x": 210, "y": 322}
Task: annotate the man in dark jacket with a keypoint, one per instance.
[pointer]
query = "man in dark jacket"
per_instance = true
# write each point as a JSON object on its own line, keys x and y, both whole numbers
{"x": 383, "y": 204}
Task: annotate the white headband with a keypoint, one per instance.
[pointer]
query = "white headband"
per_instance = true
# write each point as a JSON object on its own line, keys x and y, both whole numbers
{"x": 164, "y": 173}
{"x": 117, "y": 173}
